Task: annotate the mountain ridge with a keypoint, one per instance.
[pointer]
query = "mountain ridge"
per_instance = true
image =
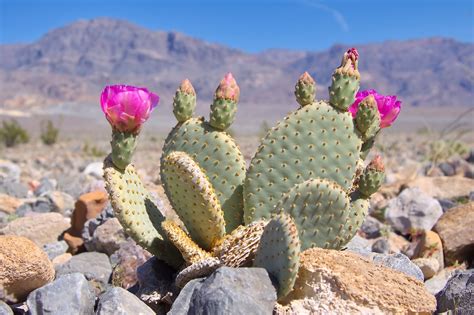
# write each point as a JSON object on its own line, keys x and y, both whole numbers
{"x": 72, "y": 64}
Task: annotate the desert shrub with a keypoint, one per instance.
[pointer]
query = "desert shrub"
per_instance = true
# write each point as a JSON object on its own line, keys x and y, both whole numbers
{"x": 11, "y": 133}
{"x": 49, "y": 133}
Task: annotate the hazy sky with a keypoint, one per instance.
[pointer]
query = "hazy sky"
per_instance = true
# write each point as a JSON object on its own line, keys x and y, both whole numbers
{"x": 254, "y": 25}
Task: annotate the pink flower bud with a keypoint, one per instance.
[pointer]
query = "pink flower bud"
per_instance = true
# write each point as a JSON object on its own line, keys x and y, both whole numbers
{"x": 388, "y": 106}
{"x": 377, "y": 164}
{"x": 127, "y": 107}
{"x": 228, "y": 89}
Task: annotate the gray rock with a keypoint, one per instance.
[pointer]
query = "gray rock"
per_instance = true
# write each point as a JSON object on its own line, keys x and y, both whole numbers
{"x": 69, "y": 294}
{"x": 229, "y": 291}
{"x": 446, "y": 204}
{"x": 413, "y": 209}
{"x": 155, "y": 279}
{"x": 438, "y": 282}
{"x": 118, "y": 301}
{"x": 74, "y": 185}
{"x": 399, "y": 262}
{"x": 95, "y": 169}
{"x": 183, "y": 301}
{"x": 5, "y": 309}
{"x": 359, "y": 245}
{"x": 9, "y": 171}
{"x": 447, "y": 169}
{"x": 42, "y": 205}
{"x": 46, "y": 185}
{"x": 381, "y": 246}
{"x": 371, "y": 227}
{"x": 107, "y": 237}
{"x": 25, "y": 208}
{"x": 458, "y": 294}
{"x": 94, "y": 266}
{"x": 13, "y": 188}
{"x": 91, "y": 225}
{"x": 55, "y": 249}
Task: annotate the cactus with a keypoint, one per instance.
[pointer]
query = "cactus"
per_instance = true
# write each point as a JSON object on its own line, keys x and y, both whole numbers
{"x": 214, "y": 152}
{"x": 307, "y": 164}
{"x": 278, "y": 252}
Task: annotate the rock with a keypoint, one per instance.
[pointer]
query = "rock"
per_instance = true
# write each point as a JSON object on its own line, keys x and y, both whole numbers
{"x": 462, "y": 168}
{"x": 126, "y": 261}
{"x": 447, "y": 169}
{"x": 430, "y": 246}
{"x": 397, "y": 243}
{"x": 371, "y": 227}
{"x": 444, "y": 187}
{"x": 470, "y": 157}
{"x": 446, "y": 204}
{"x": 45, "y": 186}
{"x": 107, "y": 237}
{"x": 69, "y": 294}
{"x": 118, "y": 301}
{"x": 75, "y": 243}
{"x": 74, "y": 185}
{"x": 60, "y": 202}
{"x": 13, "y": 188}
{"x": 458, "y": 294}
{"x": 61, "y": 259}
{"x": 429, "y": 266}
{"x": 438, "y": 282}
{"x": 9, "y": 171}
{"x": 5, "y": 309}
{"x": 92, "y": 224}
{"x": 24, "y": 266}
{"x": 380, "y": 246}
{"x": 155, "y": 279}
{"x": 359, "y": 245}
{"x": 94, "y": 266}
{"x": 456, "y": 230}
{"x": 9, "y": 204}
{"x": 87, "y": 207}
{"x": 95, "y": 170}
{"x": 398, "y": 262}
{"x": 183, "y": 301}
{"x": 55, "y": 249}
{"x": 335, "y": 282}
{"x": 42, "y": 205}
{"x": 413, "y": 210}
{"x": 230, "y": 291}
{"x": 41, "y": 228}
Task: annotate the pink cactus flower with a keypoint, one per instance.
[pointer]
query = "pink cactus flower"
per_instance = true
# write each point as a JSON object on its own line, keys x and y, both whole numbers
{"x": 389, "y": 106}
{"x": 127, "y": 107}
{"x": 228, "y": 89}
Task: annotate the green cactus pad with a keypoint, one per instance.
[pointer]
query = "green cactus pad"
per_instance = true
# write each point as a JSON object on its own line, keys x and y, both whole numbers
{"x": 222, "y": 113}
{"x": 184, "y": 101}
{"x": 370, "y": 181}
{"x": 343, "y": 90}
{"x": 238, "y": 248}
{"x": 123, "y": 146}
{"x": 315, "y": 141}
{"x": 320, "y": 209}
{"x": 137, "y": 213}
{"x": 357, "y": 213}
{"x": 220, "y": 159}
{"x": 193, "y": 199}
{"x": 305, "y": 90}
{"x": 278, "y": 252}
{"x": 368, "y": 118}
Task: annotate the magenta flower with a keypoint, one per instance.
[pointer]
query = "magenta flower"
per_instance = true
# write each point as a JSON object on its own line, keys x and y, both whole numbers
{"x": 389, "y": 106}
{"x": 127, "y": 107}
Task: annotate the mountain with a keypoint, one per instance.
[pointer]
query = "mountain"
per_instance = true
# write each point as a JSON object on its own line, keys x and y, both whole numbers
{"x": 73, "y": 63}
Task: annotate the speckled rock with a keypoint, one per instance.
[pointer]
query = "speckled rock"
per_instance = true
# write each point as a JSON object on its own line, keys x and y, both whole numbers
{"x": 334, "y": 282}
{"x": 94, "y": 266}
{"x": 118, "y": 301}
{"x": 23, "y": 266}
{"x": 458, "y": 294}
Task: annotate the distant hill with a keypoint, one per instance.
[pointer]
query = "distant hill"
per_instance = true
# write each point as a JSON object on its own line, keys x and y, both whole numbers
{"x": 73, "y": 63}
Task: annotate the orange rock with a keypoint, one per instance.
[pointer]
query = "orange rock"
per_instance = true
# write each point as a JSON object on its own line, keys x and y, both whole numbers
{"x": 61, "y": 259}
{"x": 88, "y": 206}
{"x": 9, "y": 204}
{"x": 75, "y": 243}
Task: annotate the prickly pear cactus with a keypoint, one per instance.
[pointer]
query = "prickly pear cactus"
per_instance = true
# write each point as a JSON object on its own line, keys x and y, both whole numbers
{"x": 307, "y": 164}
{"x": 212, "y": 150}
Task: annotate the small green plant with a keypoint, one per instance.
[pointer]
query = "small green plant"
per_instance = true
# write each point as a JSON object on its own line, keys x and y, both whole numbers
{"x": 12, "y": 134}
{"x": 49, "y": 133}
{"x": 92, "y": 150}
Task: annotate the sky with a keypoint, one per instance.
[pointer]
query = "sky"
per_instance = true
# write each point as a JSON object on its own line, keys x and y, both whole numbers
{"x": 254, "y": 25}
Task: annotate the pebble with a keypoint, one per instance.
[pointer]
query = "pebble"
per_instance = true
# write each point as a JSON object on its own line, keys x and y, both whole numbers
{"x": 371, "y": 227}
{"x": 69, "y": 294}
{"x": 9, "y": 171}
{"x": 413, "y": 210}
{"x": 118, "y": 301}
{"x": 399, "y": 262}
{"x": 429, "y": 266}
{"x": 5, "y": 309}
{"x": 107, "y": 237}
{"x": 13, "y": 188}
{"x": 45, "y": 186}
{"x": 95, "y": 169}
{"x": 94, "y": 266}
{"x": 55, "y": 249}
{"x": 9, "y": 204}
{"x": 381, "y": 246}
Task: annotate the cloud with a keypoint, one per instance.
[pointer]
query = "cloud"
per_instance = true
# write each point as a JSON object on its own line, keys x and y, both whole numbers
{"x": 340, "y": 19}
